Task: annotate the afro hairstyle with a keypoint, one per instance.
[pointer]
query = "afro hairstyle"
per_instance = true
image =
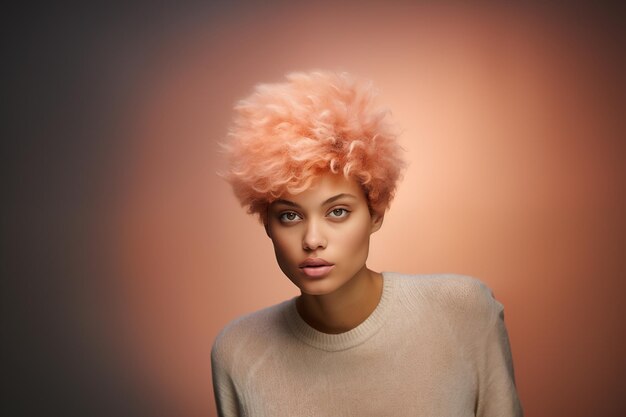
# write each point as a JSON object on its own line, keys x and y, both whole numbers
{"x": 286, "y": 135}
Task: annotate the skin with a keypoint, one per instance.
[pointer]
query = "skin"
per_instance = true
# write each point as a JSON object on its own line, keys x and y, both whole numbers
{"x": 332, "y": 221}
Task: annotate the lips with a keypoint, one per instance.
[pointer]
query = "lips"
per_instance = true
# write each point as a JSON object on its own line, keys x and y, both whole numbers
{"x": 316, "y": 267}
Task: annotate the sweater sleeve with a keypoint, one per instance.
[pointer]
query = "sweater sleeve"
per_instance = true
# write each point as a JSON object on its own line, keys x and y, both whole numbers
{"x": 497, "y": 394}
{"x": 223, "y": 387}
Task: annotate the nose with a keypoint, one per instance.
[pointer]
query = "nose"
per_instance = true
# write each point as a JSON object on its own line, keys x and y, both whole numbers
{"x": 313, "y": 237}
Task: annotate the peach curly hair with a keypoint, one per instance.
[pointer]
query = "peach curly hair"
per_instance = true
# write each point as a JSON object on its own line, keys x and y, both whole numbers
{"x": 285, "y": 135}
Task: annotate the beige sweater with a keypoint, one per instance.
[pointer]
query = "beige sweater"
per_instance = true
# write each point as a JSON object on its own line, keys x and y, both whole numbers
{"x": 435, "y": 345}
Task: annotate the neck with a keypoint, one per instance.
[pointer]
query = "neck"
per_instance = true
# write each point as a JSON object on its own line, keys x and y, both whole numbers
{"x": 345, "y": 308}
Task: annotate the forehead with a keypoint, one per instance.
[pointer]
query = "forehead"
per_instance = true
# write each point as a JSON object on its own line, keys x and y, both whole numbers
{"x": 327, "y": 186}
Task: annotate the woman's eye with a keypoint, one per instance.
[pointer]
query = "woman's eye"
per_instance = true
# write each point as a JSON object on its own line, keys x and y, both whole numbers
{"x": 289, "y": 216}
{"x": 338, "y": 213}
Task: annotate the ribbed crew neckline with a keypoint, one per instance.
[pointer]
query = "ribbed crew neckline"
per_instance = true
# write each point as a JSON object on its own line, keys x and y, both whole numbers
{"x": 346, "y": 340}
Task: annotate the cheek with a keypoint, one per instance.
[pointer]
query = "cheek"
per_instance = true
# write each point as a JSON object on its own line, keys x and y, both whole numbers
{"x": 355, "y": 239}
{"x": 283, "y": 246}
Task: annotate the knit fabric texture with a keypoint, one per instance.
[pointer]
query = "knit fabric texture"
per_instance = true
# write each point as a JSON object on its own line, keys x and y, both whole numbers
{"x": 436, "y": 345}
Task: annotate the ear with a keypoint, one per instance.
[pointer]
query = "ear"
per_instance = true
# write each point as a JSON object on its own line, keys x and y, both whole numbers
{"x": 376, "y": 222}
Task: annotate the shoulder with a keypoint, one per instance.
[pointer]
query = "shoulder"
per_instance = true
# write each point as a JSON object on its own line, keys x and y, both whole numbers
{"x": 461, "y": 297}
{"x": 247, "y": 332}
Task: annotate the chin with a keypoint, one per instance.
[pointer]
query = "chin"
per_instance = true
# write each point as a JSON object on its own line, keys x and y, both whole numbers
{"x": 309, "y": 291}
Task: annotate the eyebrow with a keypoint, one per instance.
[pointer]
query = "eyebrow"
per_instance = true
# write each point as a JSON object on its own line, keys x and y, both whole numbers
{"x": 328, "y": 201}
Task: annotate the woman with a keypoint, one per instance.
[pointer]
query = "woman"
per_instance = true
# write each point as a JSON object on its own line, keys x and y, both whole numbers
{"x": 317, "y": 160}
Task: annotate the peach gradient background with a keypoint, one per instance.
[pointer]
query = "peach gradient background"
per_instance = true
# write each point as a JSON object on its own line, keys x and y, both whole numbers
{"x": 514, "y": 128}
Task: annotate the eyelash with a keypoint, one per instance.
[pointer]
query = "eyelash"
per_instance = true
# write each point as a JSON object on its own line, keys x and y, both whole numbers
{"x": 344, "y": 213}
{"x": 282, "y": 216}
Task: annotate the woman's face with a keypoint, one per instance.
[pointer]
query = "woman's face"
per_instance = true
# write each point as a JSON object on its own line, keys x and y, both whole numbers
{"x": 321, "y": 236}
